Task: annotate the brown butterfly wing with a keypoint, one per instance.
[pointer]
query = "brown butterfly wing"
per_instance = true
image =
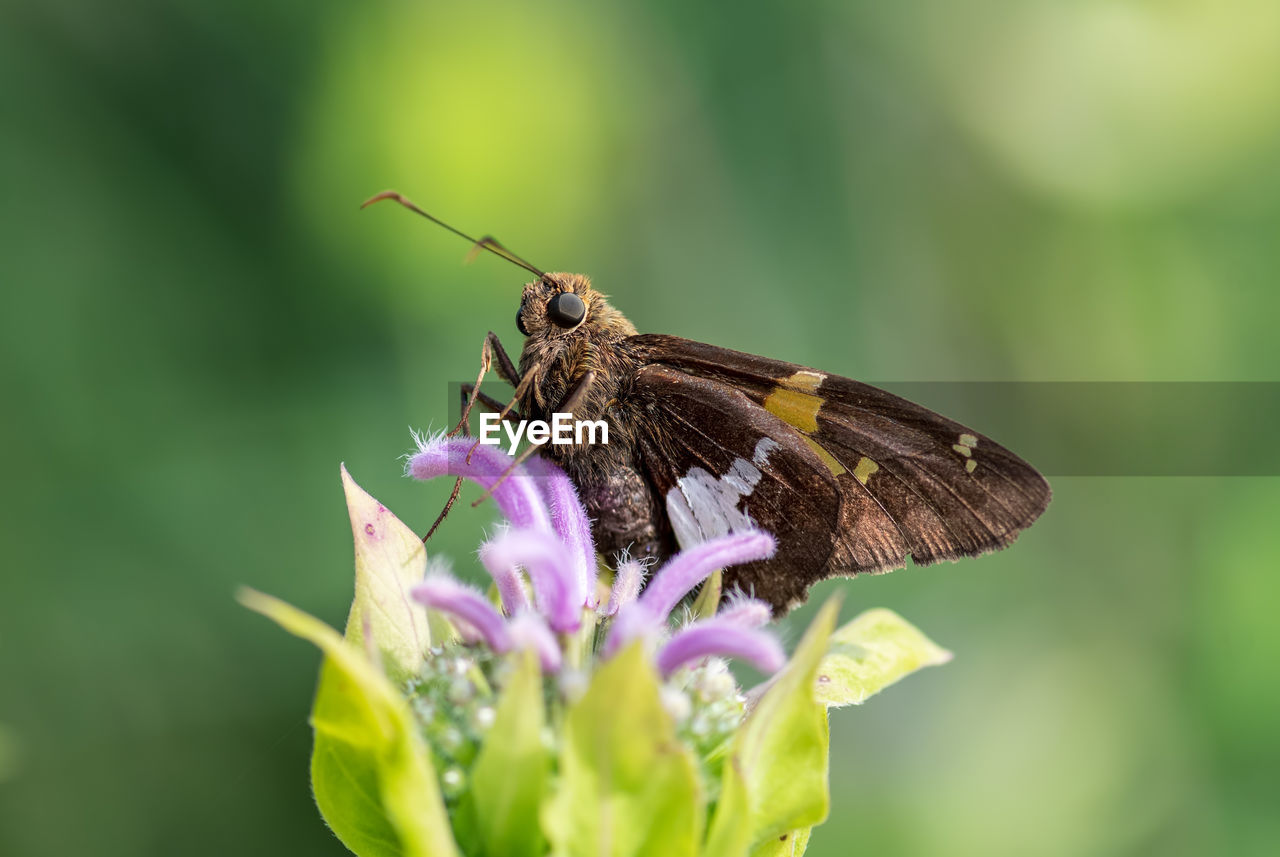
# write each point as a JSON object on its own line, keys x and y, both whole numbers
{"x": 723, "y": 464}
{"x": 908, "y": 481}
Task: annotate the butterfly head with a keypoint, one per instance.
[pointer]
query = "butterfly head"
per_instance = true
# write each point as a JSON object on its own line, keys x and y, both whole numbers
{"x": 564, "y": 306}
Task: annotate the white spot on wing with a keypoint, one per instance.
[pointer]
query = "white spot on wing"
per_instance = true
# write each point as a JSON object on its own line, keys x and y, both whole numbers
{"x": 764, "y": 446}
{"x": 682, "y": 520}
{"x": 703, "y": 506}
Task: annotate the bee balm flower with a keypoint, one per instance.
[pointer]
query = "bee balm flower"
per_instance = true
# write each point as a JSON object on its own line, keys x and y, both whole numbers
{"x": 553, "y": 716}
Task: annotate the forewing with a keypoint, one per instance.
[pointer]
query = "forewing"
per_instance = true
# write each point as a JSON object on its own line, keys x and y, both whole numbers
{"x": 949, "y": 490}
{"x": 724, "y": 463}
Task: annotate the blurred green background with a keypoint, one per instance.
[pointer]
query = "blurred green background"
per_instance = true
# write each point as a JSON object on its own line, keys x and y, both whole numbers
{"x": 199, "y": 325}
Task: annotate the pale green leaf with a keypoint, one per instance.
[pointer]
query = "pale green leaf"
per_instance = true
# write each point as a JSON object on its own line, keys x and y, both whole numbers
{"x": 791, "y": 844}
{"x": 390, "y": 559}
{"x": 730, "y": 834}
{"x": 627, "y": 787}
{"x": 869, "y": 654}
{"x": 370, "y": 770}
{"x": 775, "y": 780}
{"x": 510, "y": 776}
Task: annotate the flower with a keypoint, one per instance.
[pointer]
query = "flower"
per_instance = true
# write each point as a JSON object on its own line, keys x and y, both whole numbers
{"x": 561, "y": 713}
{"x": 547, "y": 547}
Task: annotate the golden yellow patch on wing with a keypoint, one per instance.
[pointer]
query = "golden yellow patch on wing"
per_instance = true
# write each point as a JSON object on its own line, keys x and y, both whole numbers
{"x": 968, "y": 440}
{"x": 963, "y": 450}
{"x": 795, "y": 406}
{"x": 865, "y": 467}
{"x": 806, "y": 381}
{"x": 828, "y": 459}
{"x": 970, "y": 465}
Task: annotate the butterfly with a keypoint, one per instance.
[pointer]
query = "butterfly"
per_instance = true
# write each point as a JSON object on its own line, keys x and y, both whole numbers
{"x": 704, "y": 441}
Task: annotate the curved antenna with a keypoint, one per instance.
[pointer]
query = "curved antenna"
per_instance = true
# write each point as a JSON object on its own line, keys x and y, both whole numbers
{"x": 488, "y": 242}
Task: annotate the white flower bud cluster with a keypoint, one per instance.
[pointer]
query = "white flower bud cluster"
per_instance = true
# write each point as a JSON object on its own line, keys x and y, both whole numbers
{"x": 454, "y": 706}
{"x": 706, "y": 704}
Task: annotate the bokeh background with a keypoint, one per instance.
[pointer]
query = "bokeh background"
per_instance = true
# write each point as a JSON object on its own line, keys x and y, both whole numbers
{"x": 198, "y": 325}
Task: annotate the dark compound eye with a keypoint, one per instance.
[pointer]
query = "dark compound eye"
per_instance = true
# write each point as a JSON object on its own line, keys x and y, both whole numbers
{"x": 566, "y": 310}
{"x": 519, "y": 323}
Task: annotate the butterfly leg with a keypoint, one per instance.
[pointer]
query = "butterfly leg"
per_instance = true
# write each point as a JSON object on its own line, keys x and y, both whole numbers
{"x": 488, "y": 401}
{"x": 489, "y": 351}
{"x": 507, "y": 370}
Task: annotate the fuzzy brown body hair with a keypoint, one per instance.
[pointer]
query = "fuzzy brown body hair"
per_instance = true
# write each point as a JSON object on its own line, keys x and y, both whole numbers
{"x": 625, "y": 508}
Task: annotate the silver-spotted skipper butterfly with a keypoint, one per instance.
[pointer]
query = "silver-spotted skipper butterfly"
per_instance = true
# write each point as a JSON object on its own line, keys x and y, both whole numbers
{"x": 705, "y": 440}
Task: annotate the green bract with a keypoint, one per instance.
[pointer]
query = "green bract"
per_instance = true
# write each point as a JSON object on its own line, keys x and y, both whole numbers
{"x": 511, "y": 776}
{"x": 776, "y": 781}
{"x": 871, "y": 653}
{"x": 390, "y": 558}
{"x": 370, "y": 770}
{"x": 627, "y": 786}
{"x": 430, "y": 751}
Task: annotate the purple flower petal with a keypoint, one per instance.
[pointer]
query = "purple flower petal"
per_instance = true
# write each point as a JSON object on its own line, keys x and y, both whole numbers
{"x": 718, "y": 637}
{"x": 569, "y": 520}
{"x": 449, "y": 596}
{"x": 677, "y": 579}
{"x": 626, "y": 585}
{"x": 747, "y": 612}
{"x": 508, "y": 579}
{"x": 633, "y": 621}
{"x": 467, "y": 632}
{"x": 518, "y": 496}
{"x": 556, "y": 586}
{"x": 529, "y": 631}
{"x": 690, "y": 567}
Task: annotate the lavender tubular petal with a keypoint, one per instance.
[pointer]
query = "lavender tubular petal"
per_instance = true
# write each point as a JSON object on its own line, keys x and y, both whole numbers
{"x": 569, "y": 520}
{"x": 633, "y": 621}
{"x": 557, "y": 589}
{"x": 747, "y": 612}
{"x": 626, "y": 585}
{"x": 449, "y": 596}
{"x": 529, "y": 631}
{"x": 507, "y": 578}
{"x": 720, "y": 638}
{"x": 518, "y": 496}
{"x": 690, "y": 567}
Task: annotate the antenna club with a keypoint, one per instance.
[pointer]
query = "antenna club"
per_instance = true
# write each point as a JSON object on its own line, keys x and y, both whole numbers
{"x": 386, "y": 194}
